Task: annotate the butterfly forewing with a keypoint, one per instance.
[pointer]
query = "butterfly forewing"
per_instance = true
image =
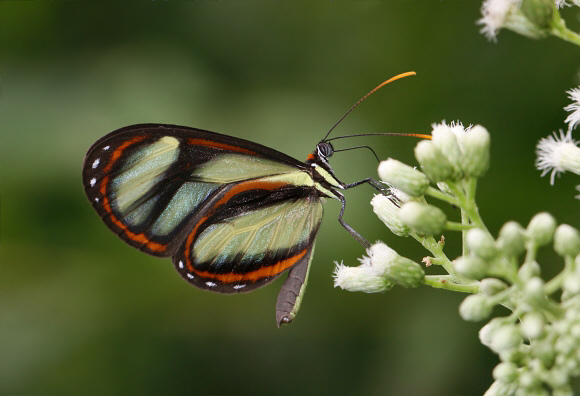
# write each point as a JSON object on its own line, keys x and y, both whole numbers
{"x": 148, "y": 182}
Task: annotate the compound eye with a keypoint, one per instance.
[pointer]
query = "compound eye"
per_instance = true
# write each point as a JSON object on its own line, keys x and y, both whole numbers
{"x": 325, "y": 149}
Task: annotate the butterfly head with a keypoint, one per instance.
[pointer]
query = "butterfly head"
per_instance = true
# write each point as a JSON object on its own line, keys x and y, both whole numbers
{"x": 321, "y": 153}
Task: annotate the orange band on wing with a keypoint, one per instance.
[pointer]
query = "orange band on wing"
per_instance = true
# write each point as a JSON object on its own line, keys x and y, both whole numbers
{"x": 218, "y": 145}
{"x": 119, "y": 150}
{"x": 139, "y": 238}
{"x": 261, "y": 273}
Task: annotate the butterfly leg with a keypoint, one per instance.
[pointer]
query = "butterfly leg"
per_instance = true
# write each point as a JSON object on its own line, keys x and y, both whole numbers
{"x": 375, "y": 184}
{"x": 350, "y": 230}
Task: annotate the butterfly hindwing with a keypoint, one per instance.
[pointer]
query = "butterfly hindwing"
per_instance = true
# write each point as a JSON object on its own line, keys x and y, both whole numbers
{"x": 150, "y": 182}
{"x": 250, "y": 233}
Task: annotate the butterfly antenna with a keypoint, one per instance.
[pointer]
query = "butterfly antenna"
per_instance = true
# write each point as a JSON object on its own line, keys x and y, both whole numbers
{"x": 397, "y": 77}
{"x": 417, "y": 135}
{"x": 358, "y": 147}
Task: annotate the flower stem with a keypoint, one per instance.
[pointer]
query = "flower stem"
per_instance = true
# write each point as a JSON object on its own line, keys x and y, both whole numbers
{"x": 560, "y": 30}
{"x": 447, "y": 282}
{"x": 435, "y": 193}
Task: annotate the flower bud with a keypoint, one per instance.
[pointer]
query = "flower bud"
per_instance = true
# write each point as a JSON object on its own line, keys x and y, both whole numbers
{"x": 567, "y": 241}
{"x": 492, "y": 286}
{"x": 531, "y": 382}
{"x": 433, "y": 162}
{"x": 506, "y": 336}
{"x": 529, "y": 270}
{"x": 475, "y": 307}
{"x": 426, "y": 219}
{"x": 481, "y": 244}
{"x": 470, "y": 266}
{"x": 541, "y": 228}
{"x": 387, "y": 209}
{"x": 475, "y": 155}
{"x": 487, "y": 330}
{"x": 360, "y": 278}
{"x": 538, "y": 12}
{"x": 534, "y": 290}
{"x": 403, "y": 177}
{"x": 505, "y": 372}
{"x": 532, "y": 325}
{"x": 571, "y": 284}
{"x": 397, "y": 269}
{"x": 512, "y": 239}
{"x": 446, "y": 141}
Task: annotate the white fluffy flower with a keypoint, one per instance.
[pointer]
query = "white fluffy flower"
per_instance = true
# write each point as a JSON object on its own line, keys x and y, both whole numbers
{"x": 558, "y": 154}
{"x": 495, "y": 13}
{"x": 574, "y": 108}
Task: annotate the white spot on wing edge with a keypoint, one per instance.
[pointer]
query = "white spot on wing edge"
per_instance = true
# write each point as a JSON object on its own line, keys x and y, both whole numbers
{"x": 237, "y": 287}
{"x": 96, "y": 199}
{"x": 180, "y": 264}
{"x": 96, "y": 163}
{"x": 190, "y": 276}
{"x": 210, "y": 284}
{"x": 93, "y": 181}
{"x": 106, "y": 148}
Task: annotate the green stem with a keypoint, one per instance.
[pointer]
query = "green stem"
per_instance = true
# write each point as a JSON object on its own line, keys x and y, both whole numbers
{"x": 453, "y": 226}
{"x": 556, "y": 282}
{"x": 560, "y": 30}
{"x": 470, "y": 206}
{"x": 435, "y": 193}
{"x": 447, "y": 282}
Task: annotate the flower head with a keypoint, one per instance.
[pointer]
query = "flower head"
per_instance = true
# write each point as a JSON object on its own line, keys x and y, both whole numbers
{"x": 530, "y": 18}
{"x": 574, "y": 108}
{"x": 558, "y": 154}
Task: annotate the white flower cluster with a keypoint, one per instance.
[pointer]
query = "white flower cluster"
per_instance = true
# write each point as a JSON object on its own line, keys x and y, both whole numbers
{"x": 539, "y": 343}
{"x": 560, "y": 153}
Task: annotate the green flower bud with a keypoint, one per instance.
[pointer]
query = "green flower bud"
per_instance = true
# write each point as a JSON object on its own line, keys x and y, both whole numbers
{"x": 398, "y": 269}
{"x": 530, "y": 381}
{"x": 506, "y": 372}
{"x": 512, "y": 239}
{"x": 492, "y": 286}
{"x": 475, "y": 307}
{"x": 475, "y": 155}
{"x": 506, "y": 336}
{"x": 532, "y": 325}
{"x": 571, "y": 284}
{"x": 481, "y": 244}
{"x": 567, "y": 241}
{"x": 405, "y": 272}
{"x": 529, "y": 270}
{"x": 486, "y": 332}
{"x": 541, "y": 228}
{"x": 433, "y": 162}
{"x": 425, "y": 219}
{"x": 445, "y": 140}
{"x": 499, "y": 388}
{"x": 534, "y": 290}
{"x": 403, "y": 177}
{"x": 538, "y": 12}
{"x": 470, "y": 266}
{"x": 387, "y": 209}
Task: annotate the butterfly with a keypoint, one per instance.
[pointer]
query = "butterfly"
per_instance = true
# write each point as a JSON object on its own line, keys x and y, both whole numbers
{"x": 232, "y": 214}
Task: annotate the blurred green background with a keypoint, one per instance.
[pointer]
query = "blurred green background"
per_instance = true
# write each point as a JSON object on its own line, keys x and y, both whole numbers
{"x": 83, "y": 313}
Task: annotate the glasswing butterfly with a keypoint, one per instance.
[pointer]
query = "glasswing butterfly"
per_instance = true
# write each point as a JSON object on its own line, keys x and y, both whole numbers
{"x": 233, "y": 214}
